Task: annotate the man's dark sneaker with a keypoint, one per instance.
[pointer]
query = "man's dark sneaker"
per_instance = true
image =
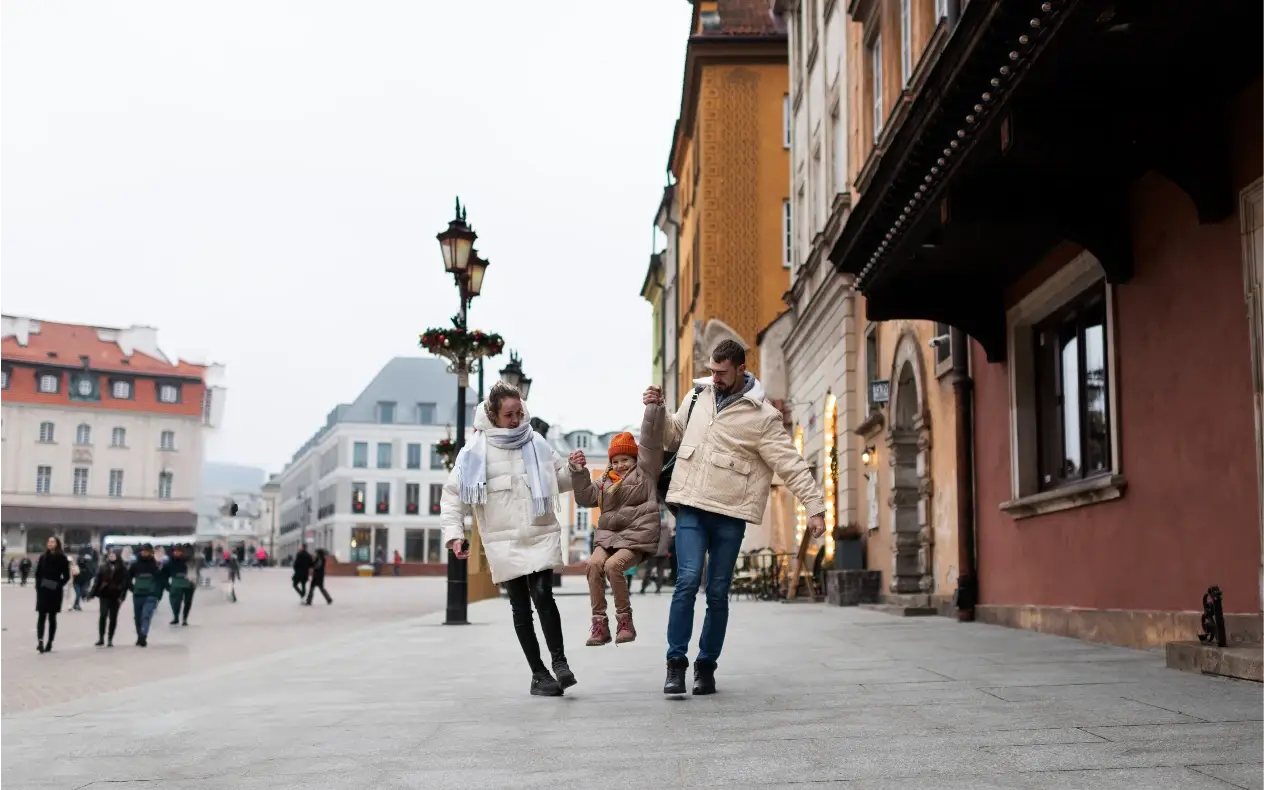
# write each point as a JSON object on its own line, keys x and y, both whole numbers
{"x": 703, "y": 678}
{"x": 142, "y": 642}
{"x": 174, "y": 621}
{"x": 675, "y": 684}
{"x": 184, "y": 622}
{"x": 543, "y": 685}
{"x": 565, "y": 677}
{"x": 100, "y": 642}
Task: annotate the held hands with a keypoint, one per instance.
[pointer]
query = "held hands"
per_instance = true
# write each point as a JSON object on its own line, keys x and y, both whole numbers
{"x": 457, "y": 547}
{"x": 652, "y": 395}
{"x": 578, "y": 460}
{"x": 817, "y": 525}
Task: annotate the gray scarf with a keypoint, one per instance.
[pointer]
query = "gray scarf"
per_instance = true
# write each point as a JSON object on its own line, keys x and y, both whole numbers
{"x": 723, "y": 399}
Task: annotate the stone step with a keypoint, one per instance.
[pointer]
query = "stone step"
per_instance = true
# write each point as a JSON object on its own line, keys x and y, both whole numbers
{"x": 1237, "y": 660}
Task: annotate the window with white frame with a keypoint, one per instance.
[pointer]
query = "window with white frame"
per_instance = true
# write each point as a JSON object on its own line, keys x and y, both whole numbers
{"x": 81, "y": 481}
{"x": 48, "y": 383}
{"x": 169, "y": 393}
{"x": 787, "y": 233}
{"x": 581, "y": 441}
{"x": 121, "y": 390}
{"x": 118, "y": 437}
{"x": 167, "y": 440}
{"x": 906, "y": 41}
{"x": 116, "y": 482}
{"x": 1064, "y": 426}
{"x": 785, "y": 120}
{"x": 4, "y": 379}
{"x": 43, "y": 479}
{"x": 875, "y": 83}
{"x": 47, "y": 432}
{"x": 83, "y": 434}
{"x": 581, "y": 519}
{"x": 165, "y": 481}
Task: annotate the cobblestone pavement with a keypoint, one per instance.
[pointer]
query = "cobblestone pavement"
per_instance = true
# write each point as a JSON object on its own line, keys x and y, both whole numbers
{"x": 808, "y": 695}
{"x": 265, "y": 618}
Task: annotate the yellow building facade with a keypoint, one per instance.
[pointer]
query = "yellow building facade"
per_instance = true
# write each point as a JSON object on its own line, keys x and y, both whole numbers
{"x": 730, "y": 162}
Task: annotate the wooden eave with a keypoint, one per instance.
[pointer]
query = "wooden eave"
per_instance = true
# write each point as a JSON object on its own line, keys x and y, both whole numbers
{"x": 976, "y": 190}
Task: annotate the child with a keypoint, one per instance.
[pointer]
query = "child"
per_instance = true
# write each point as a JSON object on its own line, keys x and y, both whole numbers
{"x": 628, "y": 527}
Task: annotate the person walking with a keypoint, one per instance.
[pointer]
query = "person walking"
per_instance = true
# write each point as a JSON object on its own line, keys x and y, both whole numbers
{"x": 83, "y": 579}
{"x": 145, "y": 580}
{"x": 729, "y": 442}
{"x": 24, "y": 570}
{"x": 75, "y": 584}
{"x": 110, "y": 588}
{"x": 175, "y": 577}
{"x": 656, "y": 567}
{"x": 318, "y": 578}
{"x": 628, "y": 526}
{"x": 397, "y": 562}
{"x": 510, "y": 478}
{"x": 13, "y": 569}
{"x": 302, "y": 569}
{"x": 52, "y": 573}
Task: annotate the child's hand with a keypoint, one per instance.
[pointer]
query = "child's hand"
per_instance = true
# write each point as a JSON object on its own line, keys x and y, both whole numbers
{"x": 578, "y": 461}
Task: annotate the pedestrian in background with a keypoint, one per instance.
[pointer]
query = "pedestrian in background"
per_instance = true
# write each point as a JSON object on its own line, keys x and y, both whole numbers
{"x": 110, "y": 588}
{"x": 397, "y": 562}
{"x": 658, "y": 565}
{"x": 318, "y": 578}
{"x": 52, "y": 574}
{"x": 13, "y": 569}
{"x": 75, "y": 584}
{"x": 302, "y": 568}
{"x": 176, "y": 579}
{"x": 24, "y": 570}
{"x": 146, "y": 584}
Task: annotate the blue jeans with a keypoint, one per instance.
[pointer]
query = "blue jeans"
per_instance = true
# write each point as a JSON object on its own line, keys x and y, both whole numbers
{"x": 718, "y": 540}
{"x": 143, "y": 607}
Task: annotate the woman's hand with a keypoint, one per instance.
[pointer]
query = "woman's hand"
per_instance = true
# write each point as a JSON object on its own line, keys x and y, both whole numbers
{"x": 457, "y": 546}
{"x": 578, "y": 460}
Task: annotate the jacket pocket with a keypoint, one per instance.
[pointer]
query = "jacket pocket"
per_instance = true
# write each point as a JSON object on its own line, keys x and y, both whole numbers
{"x": 727, "y": 478}
{"x": 682, "y": 468}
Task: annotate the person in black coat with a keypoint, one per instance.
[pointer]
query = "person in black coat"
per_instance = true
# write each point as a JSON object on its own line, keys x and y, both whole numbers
{"x": 24, "y": 568}
{"x": 176, "y": 579}
{"x": 146, "y": 586}
{"x": 318, "y": 578}
{"x": 110, "y": 588}
{"x": 302, "y": 568}
{"x": 52, "y": 573}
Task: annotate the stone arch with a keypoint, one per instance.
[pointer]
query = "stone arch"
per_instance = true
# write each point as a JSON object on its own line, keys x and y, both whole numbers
{"x": 908, "y": 443}
{"x": 706, "y": 337}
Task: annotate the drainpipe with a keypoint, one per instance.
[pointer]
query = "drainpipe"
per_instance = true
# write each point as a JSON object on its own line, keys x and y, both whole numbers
{"x": 676, "y": 263}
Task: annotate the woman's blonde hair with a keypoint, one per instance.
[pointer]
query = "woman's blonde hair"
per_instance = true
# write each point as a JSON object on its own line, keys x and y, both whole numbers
{"x": 500, "y": 393}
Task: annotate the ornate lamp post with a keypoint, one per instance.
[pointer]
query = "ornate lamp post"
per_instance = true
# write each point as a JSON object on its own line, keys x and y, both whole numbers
{"x": 464, "y": 349}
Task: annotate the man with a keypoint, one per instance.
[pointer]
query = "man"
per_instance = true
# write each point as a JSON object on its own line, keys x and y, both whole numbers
{"x": 175, "y": 575}
{"x": 302, "y": 567}
{"x": 728, "y": 442}
{"x": 146, "y": 583}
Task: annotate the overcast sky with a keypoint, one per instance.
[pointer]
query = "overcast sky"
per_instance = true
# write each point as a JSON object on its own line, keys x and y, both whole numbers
{"x": 263, "y": 181}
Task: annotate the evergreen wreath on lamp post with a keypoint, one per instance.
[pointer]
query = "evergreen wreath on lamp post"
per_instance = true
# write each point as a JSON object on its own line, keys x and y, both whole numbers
{"x": 457, "y": 342}
{"x": 447, "y": 449}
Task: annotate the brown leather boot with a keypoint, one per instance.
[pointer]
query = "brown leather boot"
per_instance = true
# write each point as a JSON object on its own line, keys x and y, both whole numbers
{"x": 600, "y": 634}
{"x": 626, "y": 632}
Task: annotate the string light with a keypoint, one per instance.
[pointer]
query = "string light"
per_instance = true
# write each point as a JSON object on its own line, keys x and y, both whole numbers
{"x": 800, "y": 512}
{"x": 831, "y": 472}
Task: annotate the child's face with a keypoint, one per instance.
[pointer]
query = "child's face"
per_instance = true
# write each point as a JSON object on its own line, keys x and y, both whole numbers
{"x": 622, "y": 464}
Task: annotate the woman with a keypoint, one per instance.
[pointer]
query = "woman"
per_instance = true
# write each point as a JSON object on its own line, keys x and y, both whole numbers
{"x": 110, "y": 588}
{"x": 510, "y": 478}
{"x": 52, "y": 572}
{"x": 318, "y": 578}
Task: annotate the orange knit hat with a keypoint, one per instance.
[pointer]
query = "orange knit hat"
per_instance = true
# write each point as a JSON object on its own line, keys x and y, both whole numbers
{"x": 623, "y": 444}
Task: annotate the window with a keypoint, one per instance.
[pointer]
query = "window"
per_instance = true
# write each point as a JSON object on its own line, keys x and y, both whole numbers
{"x": 360, "y": 455}
{"x": 436, "y": 498}
{"x": 434, "y": 546}
{"x": 386, "y": 413}
{"x": 787, "y": 232}
{"x": 384, "y": 455}
{"x": 47, "y": 433}
{"x": 943, "y": 349}
{"x": 875, "y": 83}
{"x": 81, "y": 481}
{"x": 43, "y": 479}
{"x": 426, "y": 413}
{"x": 906, "y": 41}
{"x": 469, "y": 414}
{"x": 414, "y": 545}
{"x": 581, "y": 441}
{"x": 414, "y": 456}
{"x": 785, "y": 120}
{"x": 116, "y": 482}
{"x": 581, "y": 519}
{"x": 118, "y": 437}
{"x": 4, "y": 379}
{"x": 84, "y": 387}
{"x": 871, "y": 364}
{"x": 1063, "y": 418}
{"x": 357, "y": 497}
{"x": 165, "y": 481}
{"x": 83, "y": 434}
{"x": 436, "y": 458}
{"x": 412, "y": 498}
{"x": 167, "y": 440}
{"x": 121, "y": 390}
{"x": 1073, "y": 421}
{"x": 48, "y": 382}
{"x": 383, "y": 499}
{"x": 168, "y": 393}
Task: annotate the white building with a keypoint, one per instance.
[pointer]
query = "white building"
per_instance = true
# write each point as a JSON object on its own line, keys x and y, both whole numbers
{"x": 369, "y": 482}
{"x": 101, "y": 432}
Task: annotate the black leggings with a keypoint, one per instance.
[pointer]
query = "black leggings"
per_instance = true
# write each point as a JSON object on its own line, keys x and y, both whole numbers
{"x": 51, "y": 617}
{"x": 537, "y": 587}
{"x": 318, "y": 583}
{"x": 109, "y": 612}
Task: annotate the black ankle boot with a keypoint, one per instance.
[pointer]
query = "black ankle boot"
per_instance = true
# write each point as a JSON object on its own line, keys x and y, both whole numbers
{"x": 40, "y": 647}
{"x": 100, "y": 641}
{"x": 676, "y": 676}
{"x": 543, "y": 685}
{"x": 703, "y": 678}
{"x": 565, "y": 677}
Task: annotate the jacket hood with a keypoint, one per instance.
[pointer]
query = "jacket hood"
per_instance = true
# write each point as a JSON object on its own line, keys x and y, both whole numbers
{"x": 482, "y": 422}
{"x": 755, "y": 394}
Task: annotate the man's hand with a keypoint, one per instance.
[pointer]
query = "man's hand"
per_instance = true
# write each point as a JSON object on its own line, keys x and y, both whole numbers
{"x": 817, "y": 525}
{"x": 578, "y": 460}
{"x": 652, "y": 395}
{"x": 457, "y": 547}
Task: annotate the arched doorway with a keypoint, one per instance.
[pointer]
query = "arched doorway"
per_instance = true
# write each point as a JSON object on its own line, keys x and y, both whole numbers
{"x": 908, "y": 442}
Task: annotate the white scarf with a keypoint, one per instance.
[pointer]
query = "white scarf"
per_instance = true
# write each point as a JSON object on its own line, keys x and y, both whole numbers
{"x": 536, "y": 455}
